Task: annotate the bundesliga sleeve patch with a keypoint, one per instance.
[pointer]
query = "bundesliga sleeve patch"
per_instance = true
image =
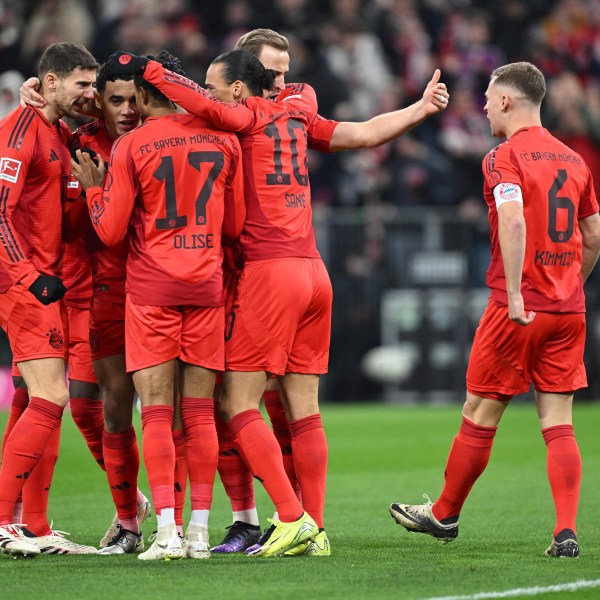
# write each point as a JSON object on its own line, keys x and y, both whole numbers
{"x": 507, "y": 192}
{"x": 9, "y": 169}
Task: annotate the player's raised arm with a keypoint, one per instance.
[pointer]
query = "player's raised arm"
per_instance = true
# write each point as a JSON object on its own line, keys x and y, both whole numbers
{"x": 182, "y": 91}
{"x": 388, "y": 126}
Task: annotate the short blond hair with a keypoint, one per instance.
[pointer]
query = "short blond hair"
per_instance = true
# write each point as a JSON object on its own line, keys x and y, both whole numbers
{"x": 523, "y": 76}
{"x": 254, "y": 40}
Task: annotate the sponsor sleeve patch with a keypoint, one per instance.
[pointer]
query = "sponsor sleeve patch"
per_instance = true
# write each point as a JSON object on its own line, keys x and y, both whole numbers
{"x": 9, "y": 169}
{"x": 507, "y": 192}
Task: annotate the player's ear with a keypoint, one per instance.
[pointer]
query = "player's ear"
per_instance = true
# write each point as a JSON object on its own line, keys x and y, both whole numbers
{"x": 237, "y": 89}
{"x": 144, "y": 96}
{"x": 97, "y": 100}
{"x": 50, "y": 81}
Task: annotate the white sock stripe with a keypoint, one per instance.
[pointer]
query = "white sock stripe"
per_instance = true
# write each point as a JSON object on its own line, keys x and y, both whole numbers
{"x": 529, "y": 591}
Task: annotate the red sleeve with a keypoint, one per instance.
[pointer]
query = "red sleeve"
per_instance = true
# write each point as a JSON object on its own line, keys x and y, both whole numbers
{"x": 197, "y": 101}
{"x": 499, "y": 167}
{"x": 588, "y": 205}
{"x": 320, "y": 133}
{"x": 17, "y": 146}
{"x": 110, "y": 209}
{"x": 301, "y": 97}
{"x": 235, "y": 209}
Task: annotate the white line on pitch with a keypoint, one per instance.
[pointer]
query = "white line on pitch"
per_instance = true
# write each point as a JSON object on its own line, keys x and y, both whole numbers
{"x": 582, "y": 584}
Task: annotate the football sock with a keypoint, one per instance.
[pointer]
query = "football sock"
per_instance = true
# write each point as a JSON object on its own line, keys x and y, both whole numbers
{"x": 245, "y": 516}
{"x": 200, "y": 517}
{"x": 467, "y": 460}
{"x": 564, "y": 473}
{"x": 37, "y": 487}
{"x": 18, "y": 405}
{"x": 89, "y": 417}
{"x": 181, "y": 475}
{"x": 122, "y": 462}
{"x": 310, "y": 455}
{"x": 281, "y": 429}
{"x": 233, "y": 471}
{"x": 262, "y": 454}
{"x": 201, "y": 448}
{"x": 159, "y": 455}
{"x": 166, "y": 516}
{"x": 24, "y": 449}
{"x": 20, "y": 400}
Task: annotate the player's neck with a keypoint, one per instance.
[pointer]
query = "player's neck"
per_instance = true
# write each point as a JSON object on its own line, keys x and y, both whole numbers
{"x": 51, "y": 111}
{"x": 521, "y": 122}
{"x": 162, "y": 111}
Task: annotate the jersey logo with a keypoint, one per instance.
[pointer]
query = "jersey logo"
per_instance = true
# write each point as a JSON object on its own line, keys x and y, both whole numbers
{"x": 55, "y": 338}
{"x": 53, "y": 156}
{"x": 508, "y": 191}
{"x": 9, "y": 169}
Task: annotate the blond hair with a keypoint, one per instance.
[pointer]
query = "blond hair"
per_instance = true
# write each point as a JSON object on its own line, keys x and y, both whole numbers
{"x": 254, "y": 40}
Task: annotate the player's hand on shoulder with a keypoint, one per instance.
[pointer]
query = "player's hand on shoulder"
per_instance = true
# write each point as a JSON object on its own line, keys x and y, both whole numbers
{"x": 29, "y": 95}
{"x": 124, "y": 64}
{"x": 88, "y": 169}
{"x": 435, "y": 96}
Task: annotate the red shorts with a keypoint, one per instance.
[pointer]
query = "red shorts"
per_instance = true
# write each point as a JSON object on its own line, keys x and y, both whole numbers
{"x": 158, "y": 334}
{"x": 33, "y": 330}
{"x": 230, "y": 283}
{"x": 107, "y": 328}
{"x": 281, "y": 318}
{"x": 80, "y": 358}
{"x": 506, "y": 357}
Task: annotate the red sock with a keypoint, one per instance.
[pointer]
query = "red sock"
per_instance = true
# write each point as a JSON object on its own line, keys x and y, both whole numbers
{"x": 37, "y": 487}
{"x": 281, "y": 429}
{"x": 181, "y": 474}
{"x": 24, "y": 449}
{"x": 89, "y": 417}
{"x": 467, "y": 460}
{"x": 564, "y": 473}
{"x": 310, "y": 455}
{"x": 20, "y": 400}
{"x": 233, "y": 471}
{"x": 262, "y": 454}
{"x": 159, "y": 454}
{"x": 122, "y": 463}
{"x": 201, "y": 449}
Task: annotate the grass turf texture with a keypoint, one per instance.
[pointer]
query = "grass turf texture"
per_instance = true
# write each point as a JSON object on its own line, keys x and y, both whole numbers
{"x": 378, "y": 455}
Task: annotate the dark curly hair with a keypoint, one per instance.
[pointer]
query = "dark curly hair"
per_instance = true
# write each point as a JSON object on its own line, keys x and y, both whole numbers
{"x": 169, "y": 61}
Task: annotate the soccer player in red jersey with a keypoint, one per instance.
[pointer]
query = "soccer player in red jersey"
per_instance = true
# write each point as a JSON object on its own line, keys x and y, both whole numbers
{"x": 34, "y": 169}
{"x": 113, "y": 429}
{"x": 116, "y": 447}
{"x": 545, "y": 237}
{"x": 179, "y": 187}
{"x": 280, "y": 329}
{"x": 272, "y": 49}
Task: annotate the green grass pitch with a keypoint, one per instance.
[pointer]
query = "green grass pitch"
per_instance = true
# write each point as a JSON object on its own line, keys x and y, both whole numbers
{"x": 378, "y": 454}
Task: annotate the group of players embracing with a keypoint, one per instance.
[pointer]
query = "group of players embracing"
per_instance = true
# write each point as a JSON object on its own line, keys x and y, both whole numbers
{"x": 166, "y": 248}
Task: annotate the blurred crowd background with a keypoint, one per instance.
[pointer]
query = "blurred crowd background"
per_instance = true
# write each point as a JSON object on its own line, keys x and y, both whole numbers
{"x": 405, "y": 217}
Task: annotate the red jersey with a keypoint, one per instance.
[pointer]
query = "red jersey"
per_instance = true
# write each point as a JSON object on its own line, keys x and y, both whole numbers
{"x": 178, "y": 186}
{"x": 273, "y": 139}
{"x": 77, "y": 275}
{"x": 34, "y": 167}
{"x": 108, "y": 263}
{"x": 320, "y": 132}
{"x": 557, "y": 190}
